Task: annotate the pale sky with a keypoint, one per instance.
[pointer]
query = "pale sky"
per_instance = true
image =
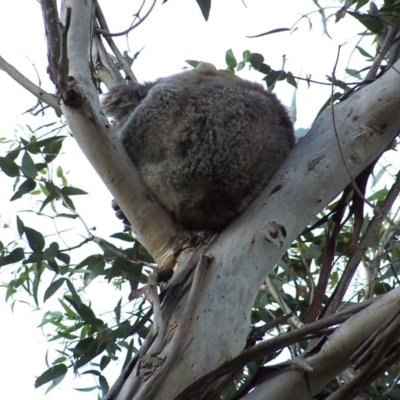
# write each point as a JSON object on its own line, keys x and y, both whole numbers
{"x": 176, "y": 31}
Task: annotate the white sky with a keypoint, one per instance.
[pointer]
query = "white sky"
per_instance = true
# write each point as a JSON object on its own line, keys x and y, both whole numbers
{"x": 174, "y": 32}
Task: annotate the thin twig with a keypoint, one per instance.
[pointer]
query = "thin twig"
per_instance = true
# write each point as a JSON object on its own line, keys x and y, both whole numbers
{"x": 390, "y": 37}
{"x": 122, "y": 61}
{"x": 105, "y": 32}
{"x": 366, "y": 240}
{"x": 268, "y": 346}
{"x": 355, "y": 385}
{"x": 294, "y": 321}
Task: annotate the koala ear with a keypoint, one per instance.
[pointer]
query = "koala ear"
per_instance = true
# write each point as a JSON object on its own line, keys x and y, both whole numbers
{"x": 121, "y": 100}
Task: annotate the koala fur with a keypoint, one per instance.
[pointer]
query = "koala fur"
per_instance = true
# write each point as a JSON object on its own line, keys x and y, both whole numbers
{"x": 205, "y": 142}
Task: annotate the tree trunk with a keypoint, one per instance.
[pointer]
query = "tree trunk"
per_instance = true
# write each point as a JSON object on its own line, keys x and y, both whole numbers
{"x": 210, "y": 322}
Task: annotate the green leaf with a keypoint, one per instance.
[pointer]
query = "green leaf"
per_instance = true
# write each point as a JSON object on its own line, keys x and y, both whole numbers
{"x": 20, "y": 226}
{"x": 72, "y": 191}
{"x": 86, "y": 260}
{"x": 13, "y": 154}
{"x": 118, "y": 267}
{"x": 28, "y": 167}
{"x": 36, "y": 283}
{"x": 86, "y": 313}
{"x": 68, "y": 203}
{"x": 60, "y": 172}
{"x": 47, "y": 200}
{"x": 64, "y": 215}
{"x": 230, "y": 59}
{"x": 54, "y": 383}
{"x": 26, "y": 187}
{"x": 95, "y": 268}
{"x": 364, "y": 53}
{"x": 9, "y": 167}
{"x": 34, "y": 145}
{"x": 129, "y": 354}
{"x": 391, "y": 7}
{"x": 205, "y": 6}
{"x": 51, "y": 252}
{"x": 92, "y": 372}
{"x": 117, "y": 311}
{"x": 15, "y": 256}
{"x": 41, "y": 167}
{"x": 324, "y": 22}
{"x": 265, "y": 69}
{"x": 193, "y": 63}
{"x": 269, "y": 32}
{"x": 85, "y": 346}
{"x": 361, "y": 3}
{"x": 89, "y": 389}
{"x": 52, "y": 149}
{"x": 381, "y": 288}
{"x": 256, "y": 60}
{"x": 290, "y": 79}
{"x": 273, "y": 77}
{"x": 63, "y": 257}
{"x": 53, "y": 288}
{"x": 52, "y": 373}
{"x": 103, "y": 385}
{"x": 206, "y": 66}
{"x": 35, "y": 240}
{"x": 373, "y": 9}
{"x": 340, "y": 14}
{"x": 373, "y": 24}
{"x": 73, "y": 301}
{"x": 105, "y": 360}
{"x": 127, "y": 237}
{"x": 68, "y": 310}
{"x": 50, "y": 188}
{"x": 379, "y": 195}
{"x": 349, "y": 3}
{"x": 75, "y": 297}
{"x": 246, "y": 56}
{"x": 336, "y": 96}
{"x": 240, "y": 66}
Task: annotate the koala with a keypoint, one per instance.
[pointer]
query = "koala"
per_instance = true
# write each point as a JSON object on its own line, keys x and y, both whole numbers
{"x": 205, "y": 142}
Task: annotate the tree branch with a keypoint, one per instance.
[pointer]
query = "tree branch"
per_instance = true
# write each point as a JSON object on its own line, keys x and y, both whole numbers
{"x": 369, "y": 235}
{"x": 122, "y": 61}
{"x": 105, "y": 31}
{"x": 37, "y": 91}
{"x": 50, "y": 19}
{"x": 104, "y": 151}
{"x": 334, "y": 355}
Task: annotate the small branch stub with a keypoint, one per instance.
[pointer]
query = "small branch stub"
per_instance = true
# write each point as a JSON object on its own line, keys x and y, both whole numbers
{"x": 274, "y": 233}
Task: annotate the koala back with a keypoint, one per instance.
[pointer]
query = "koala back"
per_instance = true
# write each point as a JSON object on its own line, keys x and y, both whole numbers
{"x": 205, "y": 142}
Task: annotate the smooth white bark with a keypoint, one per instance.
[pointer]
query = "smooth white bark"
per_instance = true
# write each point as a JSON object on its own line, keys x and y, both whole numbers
{"x": 94, "y": 135}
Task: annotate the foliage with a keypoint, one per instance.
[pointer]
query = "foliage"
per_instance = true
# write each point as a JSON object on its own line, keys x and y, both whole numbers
{"x": 43, "y": 268}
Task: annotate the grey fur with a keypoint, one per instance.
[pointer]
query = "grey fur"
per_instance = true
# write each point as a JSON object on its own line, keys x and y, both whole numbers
{"x": 205, "y": 142}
